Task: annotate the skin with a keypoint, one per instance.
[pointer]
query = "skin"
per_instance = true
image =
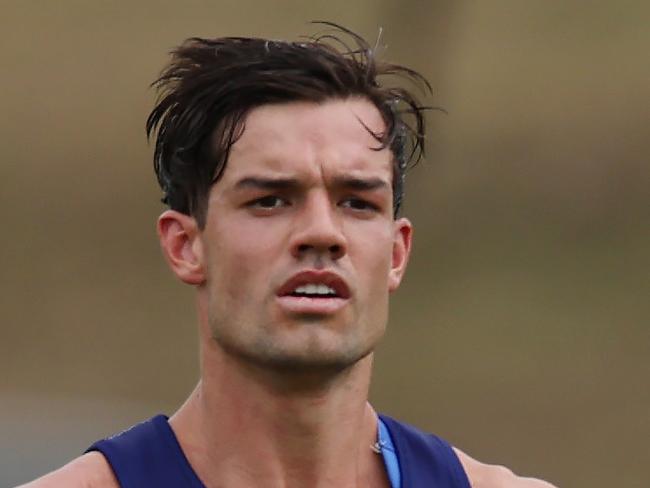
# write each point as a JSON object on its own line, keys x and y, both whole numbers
{"x": 283, "y": 391}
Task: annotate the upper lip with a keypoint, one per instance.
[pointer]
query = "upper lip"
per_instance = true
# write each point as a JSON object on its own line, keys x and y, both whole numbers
{"x": 328, "y": 278}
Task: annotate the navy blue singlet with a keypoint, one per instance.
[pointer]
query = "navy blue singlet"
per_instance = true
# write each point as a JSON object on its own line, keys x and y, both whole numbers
{"x": 149, "y": 455}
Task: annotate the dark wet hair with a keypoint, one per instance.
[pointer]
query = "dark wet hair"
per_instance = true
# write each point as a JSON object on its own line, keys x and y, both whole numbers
{"x": 210, "y": 85}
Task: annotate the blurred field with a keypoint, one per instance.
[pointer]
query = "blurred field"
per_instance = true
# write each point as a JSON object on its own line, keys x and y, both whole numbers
{"x": 521, "y": 333}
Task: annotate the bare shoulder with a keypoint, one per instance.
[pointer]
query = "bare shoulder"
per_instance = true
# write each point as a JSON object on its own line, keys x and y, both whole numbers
{"x": 88, "y": 471}
{"x": 483, "y": 475}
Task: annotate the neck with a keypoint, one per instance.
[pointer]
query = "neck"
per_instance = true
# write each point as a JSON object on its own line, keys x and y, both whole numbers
{"x": 243, "y": 424}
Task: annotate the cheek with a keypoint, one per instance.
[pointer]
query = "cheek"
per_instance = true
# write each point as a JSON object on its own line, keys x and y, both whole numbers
{"x": 374, "y": 255}
{"x": 380, "y": 271}
{"x": 239, "y": 257}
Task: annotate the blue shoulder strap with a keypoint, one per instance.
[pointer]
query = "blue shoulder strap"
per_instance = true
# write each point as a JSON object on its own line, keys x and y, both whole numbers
{"x": 148, "y": 455}
{"x": 425, "y": 460}
{"x": 387, "y": 450}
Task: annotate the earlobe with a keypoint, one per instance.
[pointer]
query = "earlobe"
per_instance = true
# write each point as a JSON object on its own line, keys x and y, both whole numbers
{"x": 180, "y": 242}
{"x": 402, "y": 238}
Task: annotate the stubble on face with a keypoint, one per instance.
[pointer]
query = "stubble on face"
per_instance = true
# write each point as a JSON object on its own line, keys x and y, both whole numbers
{"x": 249, "y": 251}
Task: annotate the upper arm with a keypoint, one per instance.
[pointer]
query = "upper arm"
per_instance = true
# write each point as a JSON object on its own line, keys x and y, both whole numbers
{"x": 88, "y": 471}
{"x": 493, "y": 476}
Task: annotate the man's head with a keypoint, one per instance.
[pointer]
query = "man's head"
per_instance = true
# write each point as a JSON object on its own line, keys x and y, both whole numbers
{"x": 294, "y": 243}
{"x": 211, "y": 85}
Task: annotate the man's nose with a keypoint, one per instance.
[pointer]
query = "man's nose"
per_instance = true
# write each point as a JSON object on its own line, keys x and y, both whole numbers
{"x": 318, "y": 230}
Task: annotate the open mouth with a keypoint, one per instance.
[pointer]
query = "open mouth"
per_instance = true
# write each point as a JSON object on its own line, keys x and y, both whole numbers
{"x": 315, "y": 284}
{"x": 314, "y": 292}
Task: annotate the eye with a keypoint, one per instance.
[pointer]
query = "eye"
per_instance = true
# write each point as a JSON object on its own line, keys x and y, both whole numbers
{"x": 268, "y": 202}
{"x": 359, "y": 204}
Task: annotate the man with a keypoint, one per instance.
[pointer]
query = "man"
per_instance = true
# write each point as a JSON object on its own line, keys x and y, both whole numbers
{"x": 282, "y": 164}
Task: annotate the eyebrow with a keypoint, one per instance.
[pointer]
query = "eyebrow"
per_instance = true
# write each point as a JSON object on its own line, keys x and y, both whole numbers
{"x": 262, "y": 183}
{"x": 344, "y": 181}
{"x": 356, "y": 183}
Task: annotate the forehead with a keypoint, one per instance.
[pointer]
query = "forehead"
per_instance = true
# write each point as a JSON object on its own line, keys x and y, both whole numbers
{"x": 306, "y": 136}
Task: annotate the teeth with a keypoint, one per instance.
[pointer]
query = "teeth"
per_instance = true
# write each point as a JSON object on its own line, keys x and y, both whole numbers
{"x": 315, "y": 289}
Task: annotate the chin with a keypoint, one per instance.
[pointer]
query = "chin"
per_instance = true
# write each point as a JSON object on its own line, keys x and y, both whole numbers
{"x": 309, "y": 357}
{"x": 301, "y": 348}
{"x": 316, "y": 363}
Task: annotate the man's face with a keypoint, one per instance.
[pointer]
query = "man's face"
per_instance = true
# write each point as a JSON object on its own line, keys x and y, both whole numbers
{"x": 300, "y": 249}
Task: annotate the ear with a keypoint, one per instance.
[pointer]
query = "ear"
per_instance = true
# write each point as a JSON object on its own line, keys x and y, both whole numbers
{"x": 180, "y": 240}
{"x": 403, "y": 235}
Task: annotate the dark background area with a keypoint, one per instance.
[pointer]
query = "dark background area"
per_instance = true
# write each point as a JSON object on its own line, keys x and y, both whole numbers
{"x": 521, "y": 331}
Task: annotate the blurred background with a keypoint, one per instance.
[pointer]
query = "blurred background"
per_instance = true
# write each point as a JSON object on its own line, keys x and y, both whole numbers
{"x": 521, "y": 332}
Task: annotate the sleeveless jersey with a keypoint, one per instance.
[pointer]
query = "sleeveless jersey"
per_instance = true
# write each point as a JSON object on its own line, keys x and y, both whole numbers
{"x": 149, "y": 455}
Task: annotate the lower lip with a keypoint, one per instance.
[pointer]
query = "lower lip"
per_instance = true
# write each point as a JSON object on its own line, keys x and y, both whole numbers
{"x": 308, "y": 305}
